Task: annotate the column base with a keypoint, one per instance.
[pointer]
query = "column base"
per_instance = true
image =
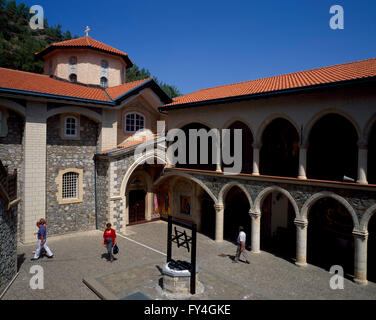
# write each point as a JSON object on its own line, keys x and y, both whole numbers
{"x": 255, "y": 173}
{"x": 362, "y": 181}
{"x": 302, "y": 177}
{"x": 301, "y": 264}
{"x": 218, "y": 240}
{"x": 361, "y": 282}
{"x": 255, "y": 251}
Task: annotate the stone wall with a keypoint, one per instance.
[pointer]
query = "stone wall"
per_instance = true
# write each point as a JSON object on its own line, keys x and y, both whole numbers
{"x": 8, "y": 244}
{"x": 11, "y": 155}
{"x": 63, "y": 154}
{"x": 103, "y": 193}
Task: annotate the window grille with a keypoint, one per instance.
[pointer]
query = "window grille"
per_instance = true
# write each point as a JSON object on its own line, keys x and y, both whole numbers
{"x": 134, "y": 122}
{"x": 104, "y": 82}
{"x": 70, "y": 185}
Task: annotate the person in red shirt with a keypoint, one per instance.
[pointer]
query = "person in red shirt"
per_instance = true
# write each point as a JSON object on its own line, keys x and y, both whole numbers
{"x": 109, "y": 240}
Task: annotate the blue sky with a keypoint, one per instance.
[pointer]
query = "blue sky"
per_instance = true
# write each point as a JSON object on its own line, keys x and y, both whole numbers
{"x": 203, "y": 43}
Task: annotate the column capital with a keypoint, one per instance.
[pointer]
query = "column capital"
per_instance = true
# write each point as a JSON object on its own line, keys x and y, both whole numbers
{"x": 301, "y": 223}
{"x": 362, "y": 144}
{"x": 257, "y": 145}
{"x": 219, "y": 206}
{"x": 360, "y": 234}
{"x": 254, "y": 214}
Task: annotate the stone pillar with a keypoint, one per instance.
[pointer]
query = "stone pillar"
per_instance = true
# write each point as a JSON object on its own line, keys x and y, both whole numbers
{"x": 219, "y": 154}
{"x": 149, "y": 204}
{"x": 256, "y": 159}
{"x": 301, "y": 242}
{"x": 362, "y": 163}
{"x": 35, "y": 136}
{"x": 302, "y": 162}
{"x": 255, "y": 233}
{"x": 108, "y": 134}
{"x": 219, "y": 217}
{"x": 360, "y": 258}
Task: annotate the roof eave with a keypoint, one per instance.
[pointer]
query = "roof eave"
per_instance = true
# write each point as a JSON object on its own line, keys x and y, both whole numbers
{"x": 266, "y": 94}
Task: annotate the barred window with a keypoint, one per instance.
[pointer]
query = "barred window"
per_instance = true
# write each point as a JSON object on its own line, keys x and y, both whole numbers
{"x": 134, "y": 122}
{"x": 70, "y": 127}
{"x": 70, "y": 185}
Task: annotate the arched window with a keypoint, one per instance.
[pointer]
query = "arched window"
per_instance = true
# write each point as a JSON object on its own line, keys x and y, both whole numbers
{"x": 73, "y": 69}
{"x": 70, "y": 185}
{"x": 104, "y": 82}
{"x": 70, "y": 127}
{"x": 73, "y": 77}
{"x": 134, "y": 122}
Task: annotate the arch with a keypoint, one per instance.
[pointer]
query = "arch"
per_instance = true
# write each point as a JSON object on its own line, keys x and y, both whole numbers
{"x": 228, "y": 123}
{"x": 262, "y": 195}
{"x": 187, "y": 122}
{"x": 69, "y": 109}
{"x": 148, "y": 155}
{"x": 308, "y": 127}
{"x": 368, "y": 128}
{"x": 367, "y": 217}
{"x": 145, "y": 176}
{"x": 270, "y": 119}
{"x": 227, "y": 187}
{"x": 189, "y": 177}
{"x": 13, "y": 106}
{"x": 326, "y": 194}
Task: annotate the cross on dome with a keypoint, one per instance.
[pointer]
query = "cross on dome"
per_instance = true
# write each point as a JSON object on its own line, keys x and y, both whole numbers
{"x": 87, "y": 31}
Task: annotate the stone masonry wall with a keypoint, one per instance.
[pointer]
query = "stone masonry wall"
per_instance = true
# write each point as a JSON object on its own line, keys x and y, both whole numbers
{"x": 103, "y": 193}
{"x": 11, "y": 155}
{"x": 63, "y": 154}
{"x": 8, "y": 245}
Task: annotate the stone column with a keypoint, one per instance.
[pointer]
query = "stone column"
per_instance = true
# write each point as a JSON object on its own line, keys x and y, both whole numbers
{"x": 360, "y": 259}
{"x": 219, "y": 217}
{"x": 362, "y": 163}
{"x": 35, "y": 136}
{"x": 302, "y": 162}
{"x": 255, "y": 233}
{"x": 301, "y": 242}
{"x": 256, "y": 159}
{"x": 149, "y": 204}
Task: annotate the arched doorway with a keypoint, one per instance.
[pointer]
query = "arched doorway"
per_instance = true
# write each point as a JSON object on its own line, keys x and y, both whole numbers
{"x": 278, "y": 231}
{"x": 330, "y": 239}
{"x": 207, "y": 215}
{"x": 332, "y": 151}
{"x": 136, "y": 206}
{"x": 371, "y": 255}
{"x": 247, "y": 148}
{"x": 279, "y": 154}
{"x": 236, "y": 213}
{"x": 372, "y": 155}
{"x": 191, "y": 142}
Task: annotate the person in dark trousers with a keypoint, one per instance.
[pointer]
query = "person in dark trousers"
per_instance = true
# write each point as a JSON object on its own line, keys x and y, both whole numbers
{"x": 241, "y": 246}
{"x": 42, "y": 239}
{"x": 109, "y": 240}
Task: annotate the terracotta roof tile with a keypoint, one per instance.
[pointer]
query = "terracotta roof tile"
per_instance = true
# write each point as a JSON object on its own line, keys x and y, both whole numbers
{"x": 336, "y": 73}
{"x": 88, "y": 42}
{"x": 115, "y": 92}
{"x": 43, "y": 84}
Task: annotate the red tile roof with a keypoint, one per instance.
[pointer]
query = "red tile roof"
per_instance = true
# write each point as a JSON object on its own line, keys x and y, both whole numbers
{"x": 86, "y": 42}
{"x": 43, "y": 84}
{"x": 336, "y": 73}
{"x": 115, "y": 92}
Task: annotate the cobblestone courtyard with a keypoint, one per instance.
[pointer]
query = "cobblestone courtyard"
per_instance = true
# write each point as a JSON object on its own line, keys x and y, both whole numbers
{"x": 142, "y": 250}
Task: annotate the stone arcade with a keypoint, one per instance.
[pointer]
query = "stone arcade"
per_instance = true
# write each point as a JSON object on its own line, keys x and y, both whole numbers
{"x": 307, "y": 189}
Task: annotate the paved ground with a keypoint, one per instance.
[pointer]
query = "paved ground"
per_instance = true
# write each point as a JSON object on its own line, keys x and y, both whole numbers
{"x": 81, "y": 255}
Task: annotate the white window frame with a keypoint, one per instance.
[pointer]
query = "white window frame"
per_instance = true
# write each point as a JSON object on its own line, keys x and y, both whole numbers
{"x": 70, "y": 186}
{"x": 133, "y": 122}
{"x": 75, "y": 127}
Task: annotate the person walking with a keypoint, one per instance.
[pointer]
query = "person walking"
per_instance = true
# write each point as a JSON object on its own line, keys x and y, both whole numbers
{"x": 241, "y": 246}
{"x": 109, "y": 240}
{"x": 42, "y": 239}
